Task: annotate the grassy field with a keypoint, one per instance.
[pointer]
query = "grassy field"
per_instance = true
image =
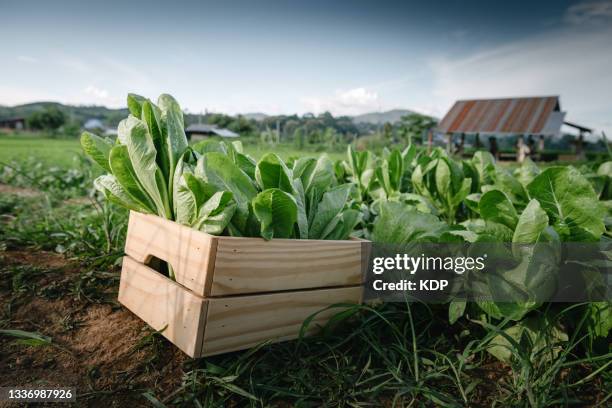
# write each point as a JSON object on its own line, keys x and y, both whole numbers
{"x": 59, "y": 152}
{"x": 63, "y": 152}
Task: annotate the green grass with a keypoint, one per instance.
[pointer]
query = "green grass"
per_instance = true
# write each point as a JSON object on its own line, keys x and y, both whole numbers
{"x": 62, "y": 151}
{"x": 58, "y": 152}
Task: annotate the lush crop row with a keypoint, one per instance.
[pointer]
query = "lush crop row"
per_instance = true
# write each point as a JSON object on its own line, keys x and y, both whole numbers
{"x": 399, "y": 197}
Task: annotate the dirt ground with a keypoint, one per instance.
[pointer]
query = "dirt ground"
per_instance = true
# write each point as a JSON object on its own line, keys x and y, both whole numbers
{"x": 103, "y": 350}
{"x": 18, "y": 191}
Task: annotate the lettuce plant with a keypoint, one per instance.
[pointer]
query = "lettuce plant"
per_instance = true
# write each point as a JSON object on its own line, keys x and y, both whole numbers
{"x": 214, "y": 187}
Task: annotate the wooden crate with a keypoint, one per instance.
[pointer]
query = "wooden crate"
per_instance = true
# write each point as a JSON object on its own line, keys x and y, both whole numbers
{"x": 234, "y": 293}
{"x": 219, "y": 266}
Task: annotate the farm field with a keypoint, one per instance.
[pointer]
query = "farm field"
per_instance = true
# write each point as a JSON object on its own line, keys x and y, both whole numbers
{"x": 59, "y": 152}
{"x": 63, "y": 151}
{"x": 60, "y": 251}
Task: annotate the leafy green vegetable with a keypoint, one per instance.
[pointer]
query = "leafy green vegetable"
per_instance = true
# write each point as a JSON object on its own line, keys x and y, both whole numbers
{"x": 570, "y": 202}
{"x": 496, "y": 206}
{"x": 214, "y": 187}
{"x": 133, "y": 134}
{"x": 329, "y": 212}
{"x": 219, "y": 171}
{"x": 398, "y": 224}
{"x": 97, "y": 148}
{"x": 277, "y": 212}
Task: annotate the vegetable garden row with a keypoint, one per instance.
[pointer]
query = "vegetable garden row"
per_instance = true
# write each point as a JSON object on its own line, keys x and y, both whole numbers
{"x": 399, "y": 197}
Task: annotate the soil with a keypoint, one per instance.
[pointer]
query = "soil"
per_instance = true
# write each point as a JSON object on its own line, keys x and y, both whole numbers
{"x": 109, "y": 355}
{"x": 96, "y": 347}
{"x": 18, "y": 191}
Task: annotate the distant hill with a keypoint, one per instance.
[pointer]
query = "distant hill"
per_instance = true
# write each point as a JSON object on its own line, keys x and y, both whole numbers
{"x": 111, "y": 117}
{"x": 258, "y": 116}
{"x": 375, "y": 118}
{"x": 79, "y": 114}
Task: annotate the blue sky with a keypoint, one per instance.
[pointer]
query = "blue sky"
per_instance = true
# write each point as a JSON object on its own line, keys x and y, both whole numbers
{"x": 311, "y": 56}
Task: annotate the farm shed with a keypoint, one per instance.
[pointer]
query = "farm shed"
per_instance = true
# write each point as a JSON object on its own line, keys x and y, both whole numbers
{"x": 200, "y": 131}
{"x": 13, "y": 124}
{"x": 526, "y": 118}
{"x": 97, "y": 126}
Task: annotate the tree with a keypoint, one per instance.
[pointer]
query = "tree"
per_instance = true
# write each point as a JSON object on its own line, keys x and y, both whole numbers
{"x": 242, "y": 126}
{"x": 413, "y": 126}
{"x": 387, "y": 132}
{"x": 220, "y": 119}
{"x": 49, "y": 119}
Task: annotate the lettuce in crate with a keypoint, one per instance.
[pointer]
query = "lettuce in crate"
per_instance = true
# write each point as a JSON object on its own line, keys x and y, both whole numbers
{"x": 213, "y": 186}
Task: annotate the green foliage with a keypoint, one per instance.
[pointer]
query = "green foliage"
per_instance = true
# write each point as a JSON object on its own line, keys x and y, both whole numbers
{"x": 571, "y": 203}
{"x": 479, "y": 201}
{"x": 276, "y": 210}
{"x": 553, "y": 354}
{"x": 49, "y": 119}
{"x": 400, "y": 197}
{"x": 214, "y": 186}
{"x": 413, "y": 127}
{"x": 442, "y": 181}
{"x": 27, "y": 338}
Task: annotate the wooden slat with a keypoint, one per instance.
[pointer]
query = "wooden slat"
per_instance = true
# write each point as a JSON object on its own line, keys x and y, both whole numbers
{"x": 189, "y": 252}
{"x": 220, "y": 266}
{"x": 241, "y": 322}
{"x": 161, "y": 303}
{"x": 253, "y": 265}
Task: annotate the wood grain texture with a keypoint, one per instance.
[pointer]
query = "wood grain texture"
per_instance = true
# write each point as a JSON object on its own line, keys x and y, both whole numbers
{"x": 253, "y": 265}
{"x": 208, "y": 326}
{"x": 220, "y": 266}
{"x": 240, "y": 322}
{"x": 161, "y": 303}
{"x": 191, "y": 253}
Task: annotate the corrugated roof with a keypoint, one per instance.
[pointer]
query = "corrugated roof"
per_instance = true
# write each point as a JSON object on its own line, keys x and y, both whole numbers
{"x": 225, "y": 133}
{"x": 199, "y": 127}
{"x": 529, "y": 115}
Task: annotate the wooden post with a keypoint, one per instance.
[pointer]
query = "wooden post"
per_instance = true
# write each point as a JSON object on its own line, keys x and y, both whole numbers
{"x": 429, "y": 140}
{"x": 493, "y": 147}
{"x": 520, "y": 149}
{"x": 449, "y": 143}
{"x": 540, "y": 147}
{"x": 461, "y": 145}
{"x": 579, "y": 145}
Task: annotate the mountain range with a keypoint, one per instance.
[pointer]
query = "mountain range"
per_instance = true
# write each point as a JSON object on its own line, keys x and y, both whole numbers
{"x": 112, "y": 116}
{"x": 372, "y": 118}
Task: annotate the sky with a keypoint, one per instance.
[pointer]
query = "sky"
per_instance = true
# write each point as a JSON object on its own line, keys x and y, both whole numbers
{"x": 284, "y": 57}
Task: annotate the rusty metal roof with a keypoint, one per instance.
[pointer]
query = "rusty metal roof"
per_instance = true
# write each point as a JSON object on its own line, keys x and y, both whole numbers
{"x": 501, "y": 116}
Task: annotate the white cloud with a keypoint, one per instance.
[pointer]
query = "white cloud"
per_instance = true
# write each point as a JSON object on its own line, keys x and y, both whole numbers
{"x": 96, "y": 92}
{"x": 27, "y": 59}
{"x": 344, "y": 102}
{"x": 574, "y": 64}
{"x": 589, "y": 12}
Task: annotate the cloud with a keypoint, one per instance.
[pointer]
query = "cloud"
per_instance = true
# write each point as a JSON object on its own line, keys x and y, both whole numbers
{"x": 589, "y": 13}
{"x": 96, "y": 92}
{"x": 344, "y": 102}
{"x": 574, "y": 64}
{"x": 27, "y": 59}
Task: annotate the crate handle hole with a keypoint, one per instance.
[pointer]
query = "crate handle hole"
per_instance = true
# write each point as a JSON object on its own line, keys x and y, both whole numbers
{"x": 158, "y": 265}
